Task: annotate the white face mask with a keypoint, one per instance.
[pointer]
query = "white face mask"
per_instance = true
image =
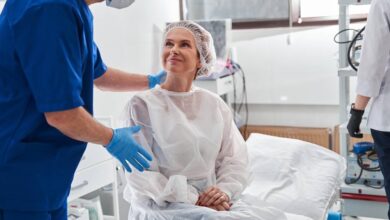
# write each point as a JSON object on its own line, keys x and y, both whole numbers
{"x": 119, "y": 3}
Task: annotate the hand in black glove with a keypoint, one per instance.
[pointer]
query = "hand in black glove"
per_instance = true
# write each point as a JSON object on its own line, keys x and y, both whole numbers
{"x": 354, "y": 123}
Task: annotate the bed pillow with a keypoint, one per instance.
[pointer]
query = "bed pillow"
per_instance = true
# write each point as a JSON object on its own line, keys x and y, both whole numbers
{"x": 293, "y": 175}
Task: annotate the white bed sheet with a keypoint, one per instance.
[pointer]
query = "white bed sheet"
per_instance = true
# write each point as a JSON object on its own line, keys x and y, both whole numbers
{"x": 295, "y": 176}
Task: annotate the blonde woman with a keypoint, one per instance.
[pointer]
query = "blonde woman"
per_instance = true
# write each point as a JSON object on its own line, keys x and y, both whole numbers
{"x": 200, "y": 165}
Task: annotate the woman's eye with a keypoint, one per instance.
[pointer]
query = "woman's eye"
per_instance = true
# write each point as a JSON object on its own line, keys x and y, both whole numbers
{"x": 168, "y": 44}
{"x": 186, "y": 45}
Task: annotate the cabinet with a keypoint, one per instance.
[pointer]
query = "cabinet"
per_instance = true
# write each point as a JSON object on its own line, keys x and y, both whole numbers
{"x": 357, "y": 200}
{"x": 97, "y": 169}
{"x": 221, "y": 86}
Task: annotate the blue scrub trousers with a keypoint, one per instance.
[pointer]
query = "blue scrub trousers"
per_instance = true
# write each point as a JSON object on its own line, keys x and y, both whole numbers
{"x": 382, "y": 147}
{"x": 58, "y": 214}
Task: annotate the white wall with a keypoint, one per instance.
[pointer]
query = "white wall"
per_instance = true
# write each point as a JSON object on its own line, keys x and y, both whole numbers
{"x": 129, "y": 39}
{"x": 291, "y": 81}
{"x": 1, "y": 5}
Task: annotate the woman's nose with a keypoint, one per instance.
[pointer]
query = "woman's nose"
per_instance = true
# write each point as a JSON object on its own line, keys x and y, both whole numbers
{"x": 174, "y": 50}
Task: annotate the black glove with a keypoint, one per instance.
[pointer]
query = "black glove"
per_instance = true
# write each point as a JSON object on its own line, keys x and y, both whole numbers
{"x": 354, "y": 123}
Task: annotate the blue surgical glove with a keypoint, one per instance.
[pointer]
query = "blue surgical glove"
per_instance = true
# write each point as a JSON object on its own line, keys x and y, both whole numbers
{"x": 127, "y": 150}
{"x": 155, "y": 79}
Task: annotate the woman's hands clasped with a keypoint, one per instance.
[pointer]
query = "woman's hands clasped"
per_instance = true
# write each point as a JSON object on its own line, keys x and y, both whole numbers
{"x": 214, "y": 198}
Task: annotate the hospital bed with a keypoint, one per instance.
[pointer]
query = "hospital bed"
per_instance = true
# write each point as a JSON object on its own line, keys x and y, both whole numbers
{"x": 297, "y": 177}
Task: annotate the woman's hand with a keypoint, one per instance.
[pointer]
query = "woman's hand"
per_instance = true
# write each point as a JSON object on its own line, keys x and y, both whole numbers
{"x": 214, "y": 198}
{"x": 224, "y": 207}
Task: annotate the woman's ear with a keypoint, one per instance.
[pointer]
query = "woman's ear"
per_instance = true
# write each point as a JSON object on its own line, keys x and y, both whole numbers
{"x": 198, "y": 64}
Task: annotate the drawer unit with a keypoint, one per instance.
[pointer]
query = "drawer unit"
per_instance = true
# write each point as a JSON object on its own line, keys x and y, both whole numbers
{"x": 219, "y": 86}
{"x": 92, "y": 178}
{"x": 94, "y": 154}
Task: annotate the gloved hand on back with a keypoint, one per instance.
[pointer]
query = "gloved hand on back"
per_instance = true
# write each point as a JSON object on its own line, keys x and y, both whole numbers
{"x": 155, "y": 79}
{"x": 124, "y": 148}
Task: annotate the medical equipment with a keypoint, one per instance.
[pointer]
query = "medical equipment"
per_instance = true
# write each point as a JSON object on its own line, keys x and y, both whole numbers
{"x": 94, "y": 207}
{"x": 332, "y": 215}
{"x": 354, "y": 50}
{"x": 363, "y": 166}
{"x": 119, "y": 4}
{"x": 362, "y": 147}
{"x": 239, "y": 103}
{"x": 77, "y": 213}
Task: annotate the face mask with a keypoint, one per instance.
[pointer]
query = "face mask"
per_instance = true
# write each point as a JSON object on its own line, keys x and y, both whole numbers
{"x": 119, "y": 3}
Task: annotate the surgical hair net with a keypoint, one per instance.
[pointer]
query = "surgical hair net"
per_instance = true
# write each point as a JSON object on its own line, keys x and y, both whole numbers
{"x": 203, "y": 41}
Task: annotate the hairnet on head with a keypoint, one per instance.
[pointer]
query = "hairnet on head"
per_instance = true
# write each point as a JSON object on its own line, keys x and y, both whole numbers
{"x": 203, "y": 41}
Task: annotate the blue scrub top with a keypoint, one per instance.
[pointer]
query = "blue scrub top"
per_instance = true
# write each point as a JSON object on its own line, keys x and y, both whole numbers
{"x": 48, "y": 61}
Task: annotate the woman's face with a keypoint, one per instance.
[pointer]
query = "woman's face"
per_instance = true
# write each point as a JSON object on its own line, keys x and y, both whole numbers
{"x": 180, "y": 56}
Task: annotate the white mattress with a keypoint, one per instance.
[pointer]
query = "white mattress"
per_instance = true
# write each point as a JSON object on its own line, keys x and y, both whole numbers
{"x": 295, "y": 176}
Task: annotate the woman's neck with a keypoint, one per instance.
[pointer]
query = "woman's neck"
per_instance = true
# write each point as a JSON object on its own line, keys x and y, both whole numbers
{"x": 177, "y": 84}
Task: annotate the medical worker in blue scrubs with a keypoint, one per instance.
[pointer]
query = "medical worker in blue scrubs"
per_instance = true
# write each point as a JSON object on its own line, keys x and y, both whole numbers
{"x": 49, "y": 65}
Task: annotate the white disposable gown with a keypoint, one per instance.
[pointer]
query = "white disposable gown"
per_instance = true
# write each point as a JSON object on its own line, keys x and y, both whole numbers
{"x": 195, "y": 144}
{"x": 374, "y": 69}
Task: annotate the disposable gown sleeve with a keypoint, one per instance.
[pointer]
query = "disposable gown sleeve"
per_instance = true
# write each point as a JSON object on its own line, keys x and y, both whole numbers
{"x": 151, "y": 184}
{"x": 232, "y": 169}
{"x": 376, "y": 50}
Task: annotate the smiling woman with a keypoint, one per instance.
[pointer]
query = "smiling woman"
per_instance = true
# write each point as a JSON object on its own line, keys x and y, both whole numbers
{"x": 200, "y": 160}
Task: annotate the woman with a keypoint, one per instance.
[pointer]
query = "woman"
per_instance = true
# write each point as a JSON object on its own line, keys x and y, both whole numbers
{"x": 200, "y": 164}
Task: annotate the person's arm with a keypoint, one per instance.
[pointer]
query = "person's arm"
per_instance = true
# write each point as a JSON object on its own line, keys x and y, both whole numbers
{"x": 152, "y": 184}
{"x": 361, "y": 102}
{"x": 117, "y": 81}
{"x": 374, "y": 59}
{"x": 53, "y": 69}
{"x": 78, "y": 124}
{"x": 232, "y": 162}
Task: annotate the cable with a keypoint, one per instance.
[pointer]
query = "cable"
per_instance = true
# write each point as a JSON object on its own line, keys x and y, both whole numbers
{"x": 357, "y": 37}
{"x": 340, "y": 32}
{"x": 234, "y": 96}
{"x": 355, "y": 180}
{"x": 372, "y": 156}
{"x": 372, "y": 186}
{"x": 244, "y": 97}
{"x": 369, "y": 169}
